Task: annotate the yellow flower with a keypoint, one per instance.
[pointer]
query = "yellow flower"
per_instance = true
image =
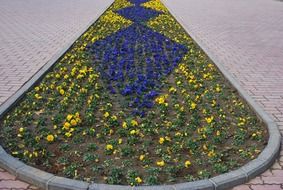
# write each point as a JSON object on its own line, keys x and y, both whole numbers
{"x": 109, "y": 147}
{"x": 124, "y": 125}
{"x": 160, "y": 100}
{"x": 193, "y": 105}
{"x": 57, "y": 76}
{"x": 167, "y": 138}
{"x": 161, "y": 140}
{"x": 36, "y": 89}
{"x": 120, "y": 141}
{"x": 209, "y": 119}
{"x": 134, "y": 123}
{"x": 62, "y": 92}
{"x": 50, "y": 138}
{"x": 142, "y": 157}
{"x": 211, "y": 153}
{"x": 73, "y": 122}
{"x": 218, "y": 133}
{"x": 67, "y": 125}
{"x": 187, "y": 163}
{"x": 68, "y": 134}
{"x": 21, "y": 130}
{"x": 77, "y": 114}
{"x": 172, "y": 90}
{"x": 132, "y": 132}
{"x": 218, "y": 89}
{"x": 69, "y": 117}
{"x": 160, "y": 163}
{"x": 106, "y": 114}
{"x": 114, "y": 117}
{"x": 37, "y": 96}
{"x": 138, "y": 180}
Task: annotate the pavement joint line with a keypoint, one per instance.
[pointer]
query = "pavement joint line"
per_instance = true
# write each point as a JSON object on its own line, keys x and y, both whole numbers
{"x": 213, "y": 183}
{"x": 48, "y": 181}
{"x": 246, "y": 175}
{"x": 17, "y": 170}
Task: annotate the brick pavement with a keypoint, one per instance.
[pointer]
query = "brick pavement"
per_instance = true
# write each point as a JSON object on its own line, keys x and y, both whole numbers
{"x": 245, "y": 35}
{"x": 247, "y": 39}
{"x": 31, "y": 32}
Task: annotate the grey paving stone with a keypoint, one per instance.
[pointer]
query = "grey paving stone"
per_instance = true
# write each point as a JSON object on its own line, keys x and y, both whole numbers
{"x": 10, "y": 163}
{"x": 34, "y": 176}
{"x": 202, "y": 184}
{"x": 60, "y": 183}
{"x": 109, "y": 187}
{"x": 160, "y": 187}
{"x": 229, "y": 180}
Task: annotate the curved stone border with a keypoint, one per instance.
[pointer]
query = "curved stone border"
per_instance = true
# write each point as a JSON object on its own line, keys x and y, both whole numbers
{"x": 49, "y": 181}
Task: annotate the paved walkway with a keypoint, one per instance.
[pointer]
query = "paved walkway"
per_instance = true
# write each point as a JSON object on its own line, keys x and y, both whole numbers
{"x": 246, "y": 36}
{"x": 31, "y": 32}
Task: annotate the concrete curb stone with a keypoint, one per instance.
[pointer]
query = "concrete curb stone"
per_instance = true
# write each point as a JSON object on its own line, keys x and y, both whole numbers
{"x": 228, "y": 180}
{"x": 61, "y": 183}
{"x": 34, "y": 176}
{"x": 10, "y": 163}
{"x": 96, "y": 186}
{"x": 201, "y": 184}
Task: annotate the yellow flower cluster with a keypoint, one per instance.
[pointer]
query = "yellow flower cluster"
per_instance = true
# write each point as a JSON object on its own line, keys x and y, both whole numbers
{"x": 110, "y": 22}
{"x": 162, "y": 99}
{"x": 167, "y": 25}
{"x": 72, "y": 120}
{"x": 120, "y": 4}
{"x": 156, "y": 5}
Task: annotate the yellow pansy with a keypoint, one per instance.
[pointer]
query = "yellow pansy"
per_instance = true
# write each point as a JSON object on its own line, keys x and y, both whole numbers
{"x": 134, "y": 123}
{"x": 62, "y": 92}
{"x": 109, "y": 147}
{"x": 187, "y": 163}
{"x": 209, "y": 119}
{"x": 50, "y": 138}
{"x": 106, "y": 114}
{"x": 193, "y": 105}
{"x": 68, "y": 134}
{"x": 142, "y": 157}
{"x": 161, "y": 140}
{"x": 138, "y": 180}
{"x": 67, "y": 125}
{"x": 124, "y": 125}
{"x": 73, "y": 122}
{"x": 160, "y": 163}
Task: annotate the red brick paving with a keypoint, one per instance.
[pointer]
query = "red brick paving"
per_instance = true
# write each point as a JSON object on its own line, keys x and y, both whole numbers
{"x": 246, "y": 38}
{"x": 32, "y": 31}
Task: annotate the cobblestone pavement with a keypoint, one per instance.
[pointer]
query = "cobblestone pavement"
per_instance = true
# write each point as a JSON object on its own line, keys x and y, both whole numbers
{"x": 246, "y": 36}
{"x": 247, "y": 39}
{"x": 31, "y": 32}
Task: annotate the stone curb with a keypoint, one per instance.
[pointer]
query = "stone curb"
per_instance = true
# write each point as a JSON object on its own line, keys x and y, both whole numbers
{"x": 228, "y": 180}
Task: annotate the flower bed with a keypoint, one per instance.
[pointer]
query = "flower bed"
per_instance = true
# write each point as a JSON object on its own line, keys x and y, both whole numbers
{"x": 134, "y": 101}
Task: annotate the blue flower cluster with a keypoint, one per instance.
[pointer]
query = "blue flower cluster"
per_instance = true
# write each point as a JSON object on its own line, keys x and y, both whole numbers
{"x": 138, "y": 13}
{"x": 134, "y": 60}
{"x": 138, "y": 2}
